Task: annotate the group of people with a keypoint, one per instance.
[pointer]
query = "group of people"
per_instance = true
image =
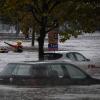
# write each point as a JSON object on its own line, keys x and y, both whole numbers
{"x": 18, "y": 47}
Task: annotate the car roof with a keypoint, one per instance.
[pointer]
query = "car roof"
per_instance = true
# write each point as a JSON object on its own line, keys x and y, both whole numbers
{"x": 62, "y": 52}
{"x": 41, "y": 62}
{"x": 48, "y": 62}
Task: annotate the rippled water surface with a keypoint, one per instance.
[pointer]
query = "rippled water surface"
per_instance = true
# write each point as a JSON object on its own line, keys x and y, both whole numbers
{"x": 51, "y": 93}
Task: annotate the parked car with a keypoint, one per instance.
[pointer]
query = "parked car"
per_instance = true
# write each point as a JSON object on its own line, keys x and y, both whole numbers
{"x": 45, "y": 73}
{"x": 76, "y": 58}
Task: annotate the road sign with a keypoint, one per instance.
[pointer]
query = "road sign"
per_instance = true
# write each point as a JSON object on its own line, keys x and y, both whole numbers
{"x": 52, "y": 41}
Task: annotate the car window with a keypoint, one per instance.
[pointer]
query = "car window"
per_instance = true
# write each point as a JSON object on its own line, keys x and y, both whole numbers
{"x": 22, "y": 70}
{"x": 8, "y": 69}
{"x": 39, "y": 71}
{"x": 52, "y": 56}
{"x": 80, "y": 57}
{"x": 56, "y": 70}
{"x": 70, "y": 56}
{"x": 74, "y": 72}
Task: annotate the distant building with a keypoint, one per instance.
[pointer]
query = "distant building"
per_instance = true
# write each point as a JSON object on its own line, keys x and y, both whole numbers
{"x": 7, "y": 28}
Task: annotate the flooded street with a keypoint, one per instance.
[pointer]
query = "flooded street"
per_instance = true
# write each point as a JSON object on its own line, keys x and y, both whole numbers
{"x": 88, "y": 47}
{"x": 51, "y": 93}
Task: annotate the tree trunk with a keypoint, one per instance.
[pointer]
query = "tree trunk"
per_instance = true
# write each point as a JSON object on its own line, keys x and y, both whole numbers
{"x": 17, "y": 29}
{"x": 33, "y": 38}
{"x": 41, "y": 48}
{"x": 42, "y": 37}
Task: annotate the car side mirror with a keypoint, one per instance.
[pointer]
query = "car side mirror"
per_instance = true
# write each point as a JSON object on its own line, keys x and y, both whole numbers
{"x": 88, "y": 59}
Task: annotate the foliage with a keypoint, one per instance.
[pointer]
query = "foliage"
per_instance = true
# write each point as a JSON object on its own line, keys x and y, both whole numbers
{"x": 82, "y": 12}
{"x": 45, "y": 15}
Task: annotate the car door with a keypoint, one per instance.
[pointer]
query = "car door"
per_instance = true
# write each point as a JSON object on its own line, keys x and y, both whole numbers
{"x": 80, "y": 61}
{"x": 6, "y": 74}
{"x": 58, "y": 75}
{"x": 21, "y": 75}
{"x": 77, "y": 76}
{"x": 40, "y": 75}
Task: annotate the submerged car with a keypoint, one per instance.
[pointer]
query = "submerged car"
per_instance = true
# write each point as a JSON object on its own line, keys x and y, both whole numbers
{"x": 45, "y": 73}
{"x": 74, "y": 57}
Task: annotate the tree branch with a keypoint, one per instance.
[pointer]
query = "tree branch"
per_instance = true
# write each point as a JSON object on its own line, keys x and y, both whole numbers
{"x": 34, "y": 15}
{"x": 31, "y": 8}
{"x": 55, "y": 24}
{"x": 36, "y": 5}
{"x": 51, "y": 29}
{"x": 55, "y": 3}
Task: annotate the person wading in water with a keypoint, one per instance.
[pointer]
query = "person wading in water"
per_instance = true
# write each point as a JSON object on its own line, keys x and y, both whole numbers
{"x": 17, "y": 48}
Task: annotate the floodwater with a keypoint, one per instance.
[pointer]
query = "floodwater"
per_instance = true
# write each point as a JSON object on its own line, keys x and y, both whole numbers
{"x": 51, "y": 93}
{"x": 90, "y": 47}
